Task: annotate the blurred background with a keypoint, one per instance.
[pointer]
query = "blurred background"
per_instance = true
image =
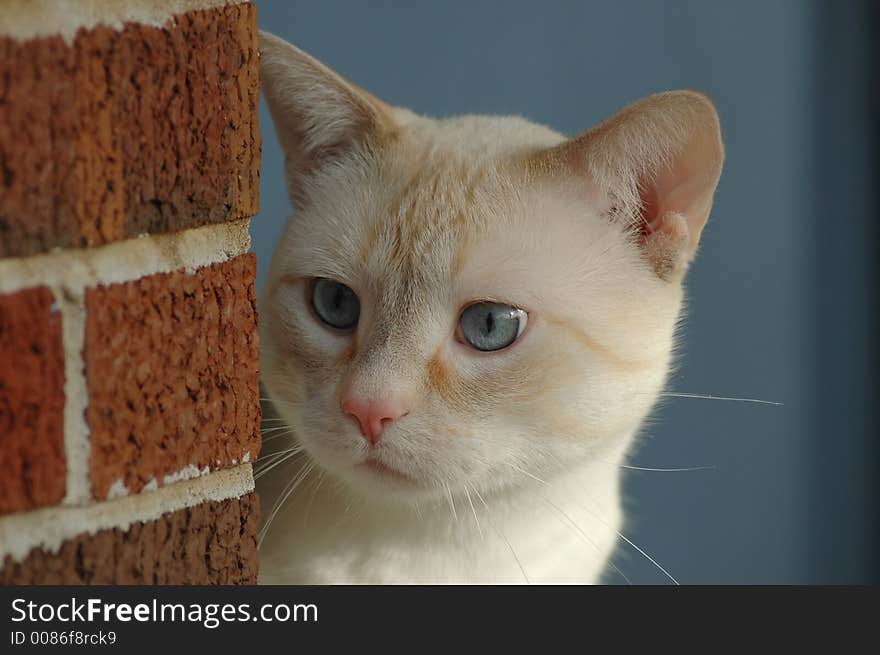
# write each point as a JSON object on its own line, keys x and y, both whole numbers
{"x": 783, "y": 302}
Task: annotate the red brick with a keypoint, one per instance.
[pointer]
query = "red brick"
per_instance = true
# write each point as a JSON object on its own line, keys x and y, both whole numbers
{"x": 32, "y": 463}
{"x": 172, "y": 368}
{"x": 126, "y": 132}
{"x": 211, "y": 543}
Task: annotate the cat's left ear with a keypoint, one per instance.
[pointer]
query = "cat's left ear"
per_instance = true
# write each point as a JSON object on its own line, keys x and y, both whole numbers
{"x": 319, "y": 116}
{"x": 656, "y": 163}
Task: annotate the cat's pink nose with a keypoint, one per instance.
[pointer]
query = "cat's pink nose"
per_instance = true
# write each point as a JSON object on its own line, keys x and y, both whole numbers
{"x": 372, "y": 415}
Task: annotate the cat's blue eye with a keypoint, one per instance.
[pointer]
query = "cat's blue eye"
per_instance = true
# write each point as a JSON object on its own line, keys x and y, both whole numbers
{"x": 335, "y": 304}
{"x": 489, "y": 326}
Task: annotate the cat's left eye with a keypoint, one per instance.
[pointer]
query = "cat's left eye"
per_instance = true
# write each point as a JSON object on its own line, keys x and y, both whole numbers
{"x": 489, "y": 326}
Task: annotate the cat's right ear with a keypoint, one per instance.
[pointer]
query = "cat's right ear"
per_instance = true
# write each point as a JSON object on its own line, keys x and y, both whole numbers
{"x": 318, "y": 115}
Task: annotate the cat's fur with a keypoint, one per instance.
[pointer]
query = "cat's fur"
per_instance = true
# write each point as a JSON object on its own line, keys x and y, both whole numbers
{"x": 512, "y": 458}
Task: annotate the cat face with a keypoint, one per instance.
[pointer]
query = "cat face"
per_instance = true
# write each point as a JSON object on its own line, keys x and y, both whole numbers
{"x": 461, "y": 304}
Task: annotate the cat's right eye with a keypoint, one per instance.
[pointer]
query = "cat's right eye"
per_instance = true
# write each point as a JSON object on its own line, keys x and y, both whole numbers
{"x": 335, "y": 304}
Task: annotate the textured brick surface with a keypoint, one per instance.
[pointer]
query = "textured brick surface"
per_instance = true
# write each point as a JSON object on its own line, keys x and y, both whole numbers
{"x": 211, "y": 543}
{"x": 32, "y": 465}
{"x": 126, "y": 132}
{"x": 172, "y": 367}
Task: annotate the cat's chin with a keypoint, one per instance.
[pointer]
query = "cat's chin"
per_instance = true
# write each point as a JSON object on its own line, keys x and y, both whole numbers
{"x": 384, "y": 485}
{"x": 372, "y": 476}
{"x": 375, "y": 467}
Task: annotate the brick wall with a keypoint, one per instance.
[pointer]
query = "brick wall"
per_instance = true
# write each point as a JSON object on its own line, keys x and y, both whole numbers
{"x": 129, "y": 391}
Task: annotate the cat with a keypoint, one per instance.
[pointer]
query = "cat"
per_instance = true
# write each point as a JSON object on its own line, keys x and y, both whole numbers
{"x": 464, "y": 326}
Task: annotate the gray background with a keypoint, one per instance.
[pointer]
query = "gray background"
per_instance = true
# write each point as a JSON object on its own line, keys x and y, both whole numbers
{"x": 781, "y": 297}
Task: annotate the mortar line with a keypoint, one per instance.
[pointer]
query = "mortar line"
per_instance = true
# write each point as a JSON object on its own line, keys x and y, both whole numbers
{"x": 124, "y": 261}
{"x": 49, "y": 527}
{"x": 77, "y": 445}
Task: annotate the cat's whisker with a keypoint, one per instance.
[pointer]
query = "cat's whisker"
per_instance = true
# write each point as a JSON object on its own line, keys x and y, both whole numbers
{"x": 280, "y": 460}
{"x": 503, "y": 536}
{"x": 620, "y": 534}
{"x": 277, "y": 436}
{"x": 681, "y": 394}
{"x": 307, "y": 468}
{"x": 270, "y": 458}
{"x": 312, "y": 499}
{"x": 666, "y": 470}
{"x": 268, "y": 469}
{"x": 474, "y": 512}
{"x": 515, "y": 556}
{"x": 266, "y": 459}
{"x": 270, "y": 462}
{"x": 275, "y": 429}
{"x": 584, "y": 535}
{"x": 524, "y": 472}
{"x": 629, "y": 541}
{"x": 279, "y": 401}
{"x": 650, "y": 559}
{"x": 296, "y": 448}
{"x": 264, "y": 530}
{"x": 451, "y": 500}
{"x": 480, "y": 498}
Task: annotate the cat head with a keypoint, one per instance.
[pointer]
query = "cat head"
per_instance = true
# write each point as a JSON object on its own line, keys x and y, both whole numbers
{"x": 461, "y": 303}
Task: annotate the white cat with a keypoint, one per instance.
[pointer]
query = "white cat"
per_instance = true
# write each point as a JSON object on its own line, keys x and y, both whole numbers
{"x": 464, "y": 326}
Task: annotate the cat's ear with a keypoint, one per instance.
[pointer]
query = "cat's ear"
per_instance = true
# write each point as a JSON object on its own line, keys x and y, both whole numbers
{"x": 656, "y": 163}
{"x": 318, "y": 115}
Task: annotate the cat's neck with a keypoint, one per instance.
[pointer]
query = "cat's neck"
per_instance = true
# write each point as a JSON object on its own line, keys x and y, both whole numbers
{"x": 556, "y": 528}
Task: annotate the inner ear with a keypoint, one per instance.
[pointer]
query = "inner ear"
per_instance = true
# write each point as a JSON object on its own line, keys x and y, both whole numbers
{"x": 657, "y": 162}
{"x": 664, "y": 235}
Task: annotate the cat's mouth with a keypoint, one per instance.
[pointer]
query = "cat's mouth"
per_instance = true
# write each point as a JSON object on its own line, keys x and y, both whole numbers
{"x": 382, "y": 469}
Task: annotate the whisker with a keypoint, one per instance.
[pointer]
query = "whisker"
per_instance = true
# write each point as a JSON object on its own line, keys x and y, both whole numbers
{"x": 263, "y": 471}
{"x": 271, "y": 463}
{"x": 651, "y": 559}
{"x": 288, "y": 490}
{"x": 666, "y": 470}
{"x": 312, "y": 499}
{"x": 451, "y": 501}
{"x": 278, "y": 436}
{"x": 586, "y": 537}
{"x": 515, "y": 556}
{"x": 480, "y": 497}
{"x": 279, "y": 401}
{"x": 266, "y": 459}
{"x": 503, "y": 536}
{"x": 619, "y": 534}
{"x": 533, "y": 477}
{"x": 473, "y": 511}
{"x": 295, "y": 448}
{"x": 264, "y": 530}
{"x": 275, "y": 429}
{"x": 680, "y": 394}
{"x": 627, "y": 540}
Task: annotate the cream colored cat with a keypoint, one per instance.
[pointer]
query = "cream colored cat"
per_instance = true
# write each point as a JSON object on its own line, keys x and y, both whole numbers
{"x": 464, "y": 326}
